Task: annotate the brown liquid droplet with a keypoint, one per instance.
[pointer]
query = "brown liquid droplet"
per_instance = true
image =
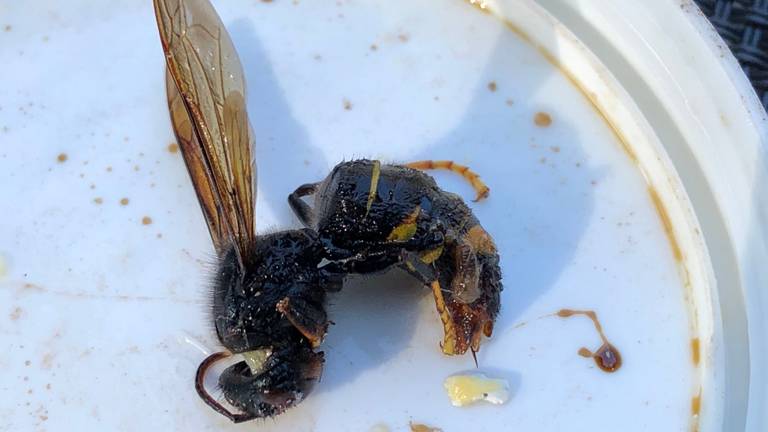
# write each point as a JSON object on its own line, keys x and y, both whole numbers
{"x": 62, "y": 157}
{"x": 124, "y": 201}
{"x": 492, "y": 86}
{"x": 542, "y": 119}
{"x": 347, "y": 105}
{"x": 607, "y": 357}
{"x": 98, "y": 200}
{"x": 415, "y": 427}
{"x": 146, "y": 220}
{"x": 173, "y": 148}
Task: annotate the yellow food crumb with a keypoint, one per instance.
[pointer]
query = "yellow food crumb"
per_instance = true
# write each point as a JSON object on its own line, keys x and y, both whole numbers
{"x": 467, "y": 389}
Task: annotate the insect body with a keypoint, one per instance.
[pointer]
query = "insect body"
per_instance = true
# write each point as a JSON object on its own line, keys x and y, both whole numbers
{"x": 269, "y": 290}
{"x": 370, "y": 216}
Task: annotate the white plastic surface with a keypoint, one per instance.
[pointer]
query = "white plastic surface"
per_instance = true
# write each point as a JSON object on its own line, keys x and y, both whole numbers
{"x": 106, "y": 311}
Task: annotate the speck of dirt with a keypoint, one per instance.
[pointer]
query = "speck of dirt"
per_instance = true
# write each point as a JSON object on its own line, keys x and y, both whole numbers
{"x": 109, "y": 169}
{"x": 43, "y": 417}
{"x": 26, "y": 378}
{"x": 124, "y": 201}
{"x": 266, "y": 1}
{"x": 27, "y": 362}
{"x": 29, "y": 391}
{"x": 16, "y": 314}
{"x": 62, "y": 157}
{"x": 136, "y": 168}
{"x": 46, "y": 38}
{"x": 509, "y": 102}
{"x": 146, "y": 220}
{"x": 93, "y": 186}
{"x": 159, "y": 235}
{"x": 492, "y": 86}
{"x": 98, "y": 200}
{"x": 555, "y": 149}
{"x": 48, "y": 386}
{"x": 543, "y": 160}
{"x": 404, "y": 37}
{"x": 318, "y": 57}
{"x": 347, "y": 104}
{"x": 48, "y": 360}
{"x": 173, "y": 148}
{"x": 8, "y": 27}
{"x": 542, "y": 119}
{"x": 374, "y": 47}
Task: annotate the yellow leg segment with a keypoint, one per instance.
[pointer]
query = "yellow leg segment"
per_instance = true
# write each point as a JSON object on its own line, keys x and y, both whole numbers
{"x": 472, "y": 177}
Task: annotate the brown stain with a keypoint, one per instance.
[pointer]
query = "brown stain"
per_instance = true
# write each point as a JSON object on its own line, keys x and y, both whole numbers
{"x": 62, "y": 157}
{"x": 47, "y": 361}
{"x": 347, "y": 104}
{"x": 418, "y": 427}
{"x": 16, "y": 314}
{"x": 124, "y": 201}
{"x": 607, "y": 357}
{"x": 146, "y": 220}
{"x": 98, "y": 200}
{"x": 404, "y": 37}
{"x": 554, "y": 149}
{"x": 667, "y": 222}
{"x": 509, "y": 102}
{"x": 696, "y": 404}
{"x": 542, "y": 119}
{"x": 492, "y": 86}
{"x": 696, "y": 351}
{"x": 374, "y": 47}
{"x": 173, "y": 148}
{"x": 696, "y": 412}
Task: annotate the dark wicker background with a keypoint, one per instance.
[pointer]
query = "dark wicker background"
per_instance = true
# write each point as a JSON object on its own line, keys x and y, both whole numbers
{"x": 744, "y": 25}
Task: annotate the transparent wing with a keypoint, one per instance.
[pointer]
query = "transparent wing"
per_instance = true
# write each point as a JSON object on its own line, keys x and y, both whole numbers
{"x": 207, "y": 105}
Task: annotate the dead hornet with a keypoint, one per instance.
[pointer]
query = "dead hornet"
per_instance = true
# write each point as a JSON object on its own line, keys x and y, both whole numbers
{"x": 371, "y": 216}
{"x": 268, "y": 291}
